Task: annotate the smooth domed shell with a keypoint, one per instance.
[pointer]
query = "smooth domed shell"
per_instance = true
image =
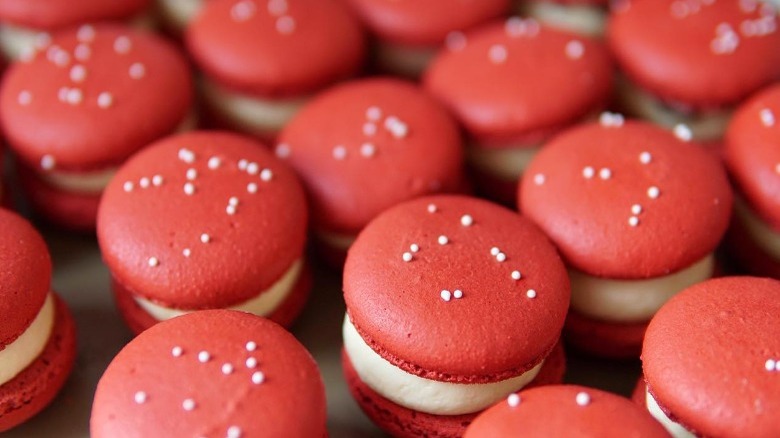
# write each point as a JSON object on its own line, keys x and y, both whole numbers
{"x": 47, "y": 14}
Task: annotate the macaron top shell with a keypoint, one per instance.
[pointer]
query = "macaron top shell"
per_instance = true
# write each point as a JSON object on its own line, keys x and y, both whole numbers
{"x": 48, "y": 14}
{"x": 700, "y": 53}
{"x": 101, "y": 91}
{"x": 364, "y": 146}
{"x": 427, "y": 291}
{"x": 566, "y": 410}
{"x": 506, "y": 82}
{"x": 25, "y": 275}
{"x": 202, "y": 220}
{"x": 276, "y": 47}
{"x": 425, "y": 23}
{"x": 752, "y": 155}
{"x": 215, "y": 373}
{"x": 712, "y": 371}
{"x": 629, "y": 201}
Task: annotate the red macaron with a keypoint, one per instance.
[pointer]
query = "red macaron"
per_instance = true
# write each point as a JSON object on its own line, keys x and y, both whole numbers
{"x": 37, "y": 332}
{"x": 733, "y": 322}
{"x": 501, "y": 85}
{"x": 753, "y": 160}
{"x": 364, "y": 146}
{"x": 102, "y": 92}
{"x": 691, "y": 61}
{"x": 263, "y": 59}
{"x": 565, "y": 410}
{"x": 216, "y": 373}
{"x": 636, "y": 213}
{"x": 216, "y": 221}
{"x": 452, "y": 304}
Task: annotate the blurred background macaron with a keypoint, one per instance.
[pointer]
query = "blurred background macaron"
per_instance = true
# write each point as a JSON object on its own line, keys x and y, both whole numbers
{"x": 587, "y": 17}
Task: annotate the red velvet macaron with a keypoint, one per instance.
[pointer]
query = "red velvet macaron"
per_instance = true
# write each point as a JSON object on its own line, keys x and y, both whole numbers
{"x": 731, "y": 322}
{"x": 217, "y": 221}
{"x": 692, "y": 61}
{"x": 565, "y": 410}
{"x": 636, "y": 213}
{"x": 410, "y": 32}
{"x": 364, "y": 146}
{"x": 502, "y": 86}
{"x": 102, "y": 92}
{"x": 37, "y": 332}
{"x": 216, "y": 373}
{"x": 452, "y": 304}
{"x": 753, "y": 160}
{"x": 262, "y": 59}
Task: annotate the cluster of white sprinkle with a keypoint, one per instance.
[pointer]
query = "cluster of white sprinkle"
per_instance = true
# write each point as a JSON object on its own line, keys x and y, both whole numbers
{"x": 772, "y": 365}
{"x": 516, "y": 27}
{"x": 611, "y": 120}
{"x": 683, "y": 8}
{"x": 499, "y": 256}
{"x": 726, "y": 40}
{"x": 447, "y": 295}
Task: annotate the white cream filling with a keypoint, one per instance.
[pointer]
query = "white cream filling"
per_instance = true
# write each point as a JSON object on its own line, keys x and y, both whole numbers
{"x": 583, "y": 19}
{"x": 336, "y": 240}
{"x": 23, "y": 351}
{"x": 675, "y": 429}
{"x": 705, "y": 126}
{"x": 251, "y": 113}
{"x": 759, "y": 231}
{"x": 178, "y": 13}
{"x": 404, "y": 60}
{"x": 507, "y": 162}
{"x": 263, "y": 304}
{"x": 632, "y": 300}
{"x": 424, "y": 395}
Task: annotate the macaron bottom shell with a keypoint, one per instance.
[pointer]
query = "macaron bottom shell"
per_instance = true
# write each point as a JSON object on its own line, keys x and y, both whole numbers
{"x": 34, "y": 388}
{"x": 138, "y": 320}
{"x": 402, "y": 422}
{"x": 602, "y": 338}
{"x": 75, "y": 211}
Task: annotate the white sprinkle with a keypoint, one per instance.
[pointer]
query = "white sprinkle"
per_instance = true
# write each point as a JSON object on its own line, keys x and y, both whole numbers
{"x": 414, "y": 247}
{"x": 455, "y": 41}
{"x": 588, "y": 172}
{"x": 75, "y": 96}
{"x": 583, "y": 399}
{"x": 205, "y": 238}
{"x": 575, "y": 49}
{"x": 367, "y": 150}
{"x": 251, "y": 188}
{"x": 242, "y": 164}
{"x": 605, "y": 173}
{"x": 252, "y": 168}
{"x": 188, "y": 404}
{"x": 497, "y": 54}
{"x": 633, "y": 221}
{"x": 82, "y": 52}
{"x": 285, "y": 25}
{"x": 266, "y": 175}
{"x": 230, "y": 209}
{"x": 251, "y": 362}
{"x": 767, "y": 117}
{"x": 242, "y": 11}
{"x": 443, "y": 240}
{"x": 105, "y": 100}
{"x": 494, "y": 251}
{"x": 432, "y": 208}
{"x": 186, "y": 252}
{"x": 78, "y": 73}
{"x": 157, "y": 180}
{"x": 204, "y": 357}
{"x": 186, "y": 155}
{"x": 258, "y": 377}
{"x": 373, "y": 113}
{"x": 653, "y": 192}
{"x": 445, "y": 295}
{"x": 48, "y": 162}
{"x": 501, "y": 257}
{"x": 25, "y": 98}
{"x": 466, "y": 220}
{"x": 282, "y": 150}
{"x": 277, "y": 7}
{"x": 233, "y": 201}
{"x": 61, "y": 58}
{"x": 140, "y": 397}
{"x": 62, "y": 94}
{"x": 636, "y": 209}
{"x": 369, "y": 129}
{"x": 530, "y": 293}
{"x": 458, "y": 294}
{"x": 214, "y": 162}
{"x": 86, "y": 33}
{"x": 251, "y": 346}
{"x": 128, "y": 186}
{"x": 516, "y": 275}
{"x": 144, "y": 182}
{"x": 189, "y": 189}
{"x": 770, "y": 364}
{"x": 153, "y": 262}
{"x": 407, "y": 257}
{"x": 645, "y": 158}
{"x": 227, "y": 369}
{"x": 513, "y": 400}
{"x": 234, "y": 432}
{"x": 177, "y": 351}
{"x": 137, "y": 70}
{"x": 339, "y": 152}
{"x": 539, "y": 179}
{"x": 122, "y": 45}
{"x": 683, "y": 132}
{"x": 517, "y": 27}
{"x": 609, "y": 119}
